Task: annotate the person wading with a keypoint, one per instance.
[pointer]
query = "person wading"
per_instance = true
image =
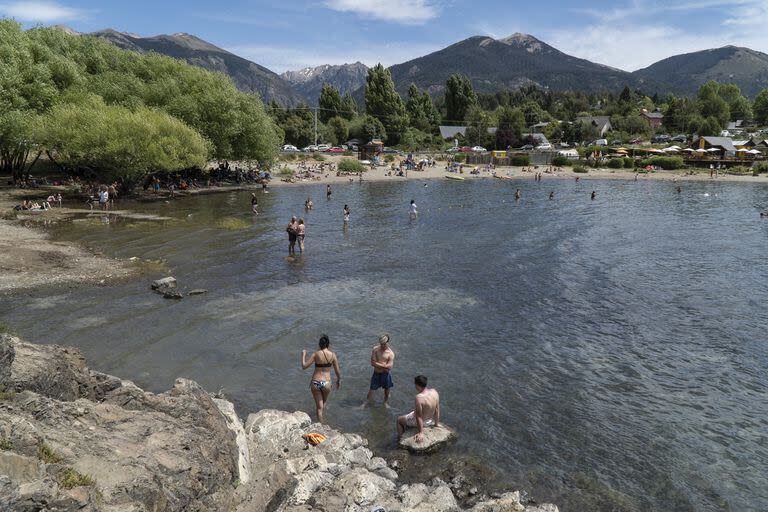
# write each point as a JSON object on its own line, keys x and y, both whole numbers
{"x": 382, "y": 360}
{"x": 320, "y": 385}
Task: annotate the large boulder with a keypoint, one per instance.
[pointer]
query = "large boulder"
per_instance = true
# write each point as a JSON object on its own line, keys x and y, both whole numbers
{"x": 434, "y": 439}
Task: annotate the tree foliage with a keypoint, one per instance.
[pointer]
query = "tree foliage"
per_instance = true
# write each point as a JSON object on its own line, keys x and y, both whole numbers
{"x": 459, "y": 97}
{"x": 384, "y": 103}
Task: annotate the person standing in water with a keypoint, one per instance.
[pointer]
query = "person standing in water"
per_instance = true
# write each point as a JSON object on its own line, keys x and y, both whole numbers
{"x": 414, "y": 212}
{"x": 426, "y": 411}
{"x": 551, "y": 195}
{"x": 593, "y": 195}
{"x": 254, "y": 203}
{"x": 320, "y": 385}
{"x": 291, "y": 229}
{"x": 517, "y": 195}
{"x": 346, "y": 213}
{"x": 328, "y": 191}
{"x": 300, "y": 232}
{"x": 382, "y": 360}
{"x": 308, "y": 204}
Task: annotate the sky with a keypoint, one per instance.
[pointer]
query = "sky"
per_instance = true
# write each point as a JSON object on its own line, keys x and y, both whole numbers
{"x": 292, "y": 34}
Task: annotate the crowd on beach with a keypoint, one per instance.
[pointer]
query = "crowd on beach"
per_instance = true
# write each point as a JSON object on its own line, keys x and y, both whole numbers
{"x": 426, "y": 409}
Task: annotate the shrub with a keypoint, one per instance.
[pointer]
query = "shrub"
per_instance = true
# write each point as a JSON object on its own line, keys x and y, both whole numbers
{"x": 667, "y": 163}
{"x": 389, "y": 158}
{"x": 5, "y": 328}
{"x": 70, "y": 479}
{"x": 519, "y": 160}
{"x": 560, "y": 161}
{"x": 759, "y": 168}
{"x": 5, "y": 445}
{"x": 739, "y": 169}
{"x": 460, "y": 157}
{"x": 615, "y": 163}
{"x": 46, "y": 454}
{"x": 579, "y": 168}
{"x": 629, "y": 163}
{"x": 319, "y": 158}
{"x": 351, "y": 165}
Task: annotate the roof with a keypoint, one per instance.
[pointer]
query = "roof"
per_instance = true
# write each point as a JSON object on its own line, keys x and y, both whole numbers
{"x": 724, "y": 142}
{"x": 599, "y": 121}
{"x": 450, "y": 132}
{"x": 734, "y": 125}
{"x": 539, "y": 138}
{"x": 652, "y": 115}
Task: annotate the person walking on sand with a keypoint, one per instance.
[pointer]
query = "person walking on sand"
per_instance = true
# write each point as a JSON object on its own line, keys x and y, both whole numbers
{"x": 254, "y": 203}
{"x": 426, "y": 411}
{"x": 382, "y": 360}
{"x": 300, "y": 232}
{"x": 346, "y": 213}
{"x": 320, "y": 385}
{"x": 291, "y": 229}
{"x": 414, "y": 212}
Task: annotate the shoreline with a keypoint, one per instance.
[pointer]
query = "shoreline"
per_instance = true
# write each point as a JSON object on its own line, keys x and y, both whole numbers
{"x": 29, "y": 259}
{"x": 72, "y": 438}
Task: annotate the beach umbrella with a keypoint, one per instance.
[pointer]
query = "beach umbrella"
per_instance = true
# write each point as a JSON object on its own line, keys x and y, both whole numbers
{"x": 689, "y": 150}
{"x": 701, "y": 150}
{"x": 714, "y": 150}
{"x": 754, "y": 152}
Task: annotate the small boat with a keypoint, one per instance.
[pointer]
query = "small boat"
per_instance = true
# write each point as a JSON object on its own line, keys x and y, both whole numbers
{"x": 453, "y": 177}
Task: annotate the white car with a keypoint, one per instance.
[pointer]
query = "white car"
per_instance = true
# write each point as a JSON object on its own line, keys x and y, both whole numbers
{"x": 544, "y": 147}
{"x": 290, "y": 149}
{"x": 323, "y": 147}
{"x": 479, "y": 149}
{"x": 310, "y": 149}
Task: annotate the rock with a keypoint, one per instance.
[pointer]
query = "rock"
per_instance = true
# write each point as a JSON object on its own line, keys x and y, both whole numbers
{"x": 547, "y": 507}
{"x": 236, "y": 426}
{"x": 509, "y": 502}
{"x": 7, "y": 355}
{"x": 163, "y": 284}
{"x": 198, "y": 291}
{"x": 434, "y": 439}
{"x": 20, "y": 468}
{"x": 172, "y": 294}
{"x": 389, "y": 474}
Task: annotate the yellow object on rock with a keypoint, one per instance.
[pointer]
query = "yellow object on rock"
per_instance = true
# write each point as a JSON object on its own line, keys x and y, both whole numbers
{"x": 314, "y": 438}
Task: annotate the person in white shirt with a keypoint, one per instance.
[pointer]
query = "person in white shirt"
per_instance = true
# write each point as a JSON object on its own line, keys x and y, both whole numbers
{"x": 414, "y": 210}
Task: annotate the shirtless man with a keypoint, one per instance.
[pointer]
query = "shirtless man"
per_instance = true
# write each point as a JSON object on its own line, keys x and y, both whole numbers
{"x": 382, "y": 360}
{"x": 426, "y": 412}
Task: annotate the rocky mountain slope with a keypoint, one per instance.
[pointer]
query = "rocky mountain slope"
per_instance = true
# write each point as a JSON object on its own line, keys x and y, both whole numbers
{"x": 309, "y": 81}
{"x": 248, "y": 76}
{"x": 72, "y": 439}
{"x": 684, "y": 74}
{"x": 515, "y": 61}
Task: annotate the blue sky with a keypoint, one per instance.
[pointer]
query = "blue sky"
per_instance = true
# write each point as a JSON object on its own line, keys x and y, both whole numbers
{"x": 292, "y": 34}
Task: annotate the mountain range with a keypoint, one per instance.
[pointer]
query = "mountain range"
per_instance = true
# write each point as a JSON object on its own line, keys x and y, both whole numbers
{"x": 347, "y": 78}
{"x": 492, "y": 64}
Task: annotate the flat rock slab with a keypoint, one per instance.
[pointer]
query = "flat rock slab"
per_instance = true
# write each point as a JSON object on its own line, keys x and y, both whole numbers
{"x": 435, "y": 438}
{"x": 199, "y": 291}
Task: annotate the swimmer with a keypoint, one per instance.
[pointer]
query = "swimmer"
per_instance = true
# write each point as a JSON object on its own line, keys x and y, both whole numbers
{"x": 308, "y": 204}
{"x": 551, "y": 195}
{"x": 328, "y": 191}
{"x": 593, "y": 195}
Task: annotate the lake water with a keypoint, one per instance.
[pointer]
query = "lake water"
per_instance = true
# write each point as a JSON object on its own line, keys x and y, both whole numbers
{"x": 604, "y": 355}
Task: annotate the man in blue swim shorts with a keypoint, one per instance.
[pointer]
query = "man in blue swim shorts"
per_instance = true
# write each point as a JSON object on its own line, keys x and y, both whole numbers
{"x": 382, "y": 360}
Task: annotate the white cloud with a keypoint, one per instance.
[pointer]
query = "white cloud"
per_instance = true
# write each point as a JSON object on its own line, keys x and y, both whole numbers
{"x": 39, "y": 12}
{"x": 290, "y": 59}
{"x": 406, "y": 12}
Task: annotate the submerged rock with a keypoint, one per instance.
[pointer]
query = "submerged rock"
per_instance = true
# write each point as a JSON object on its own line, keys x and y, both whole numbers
{"x": 435, "y": 438}
{"x": 172, "y": 294}
{"x": 163, "y": 284}
{"x": 199, "y": 291}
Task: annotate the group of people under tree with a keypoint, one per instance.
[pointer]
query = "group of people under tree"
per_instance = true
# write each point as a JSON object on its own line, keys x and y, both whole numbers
{"x": 426, "y": 410}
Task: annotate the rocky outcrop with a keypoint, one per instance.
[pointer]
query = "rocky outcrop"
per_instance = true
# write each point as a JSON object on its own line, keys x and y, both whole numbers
{"x": 86, "y": 441}
{"x": 434, "y": 439}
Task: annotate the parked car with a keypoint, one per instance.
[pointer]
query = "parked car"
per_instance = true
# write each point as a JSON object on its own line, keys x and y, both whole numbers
{"x": 290, "y": 149}
{"x": 390, "y": 151}
{"x": 527, "y": 147}
{"x": 465, "y": 149}
{"x": 615, "y": 142}
{"x": 569, "y": 153}
{"x": 600, "y": 142}
{"x": 680, "y": 138}
{"x": 544, "y": 147}
{"x": 309, "y": 149}
{"x": 479, "y": 149}
{"x": 563, "y": 145}
{"x": 334, "y": 149}
{"x": 323, "y": 147}
{"x": 661, "y": 139}
{"x": 454, "y": 149}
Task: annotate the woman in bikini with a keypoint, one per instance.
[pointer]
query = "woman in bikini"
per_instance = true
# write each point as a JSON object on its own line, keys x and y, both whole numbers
{"x": 320, "y": 386}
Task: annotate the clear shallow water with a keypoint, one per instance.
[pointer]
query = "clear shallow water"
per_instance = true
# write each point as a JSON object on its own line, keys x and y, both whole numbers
{"x": 606, "y": 355}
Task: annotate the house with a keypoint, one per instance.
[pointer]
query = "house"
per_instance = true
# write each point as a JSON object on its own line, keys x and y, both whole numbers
{"x": 735, "y": 125}
{"x": 654, "y": 119}
{"x": 724, "y": 144}
{"x": 601, "y": 123}
{"x": 451, "y": 132}
{"x": 538, "y": 138}
{"x": 758, "y": 144}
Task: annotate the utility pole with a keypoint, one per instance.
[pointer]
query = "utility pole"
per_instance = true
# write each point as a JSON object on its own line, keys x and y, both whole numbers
{"x": 315, "y": 126}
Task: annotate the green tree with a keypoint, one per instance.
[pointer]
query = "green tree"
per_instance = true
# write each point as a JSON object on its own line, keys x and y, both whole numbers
{"x": 384, "y": 103}
{"x": 348, "y": 107}
{"x": 339, "y": 128}
{"x": 421, "y": 111}
{"x": 712, "y": 104}
{"x": 330, "y": 103}
{"x": 511, "y": 125}
{"x": 710, "y": 127}
{"x": 478, "y": 124}
{"x": 459, "y": 97}
{"x": 367, "y": 128}
{"x": 761, "y": 107}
